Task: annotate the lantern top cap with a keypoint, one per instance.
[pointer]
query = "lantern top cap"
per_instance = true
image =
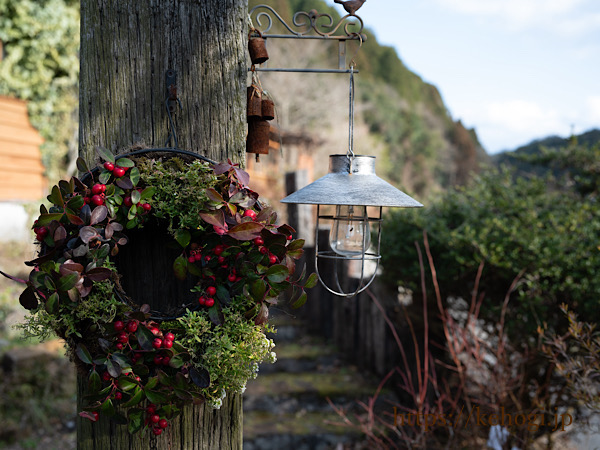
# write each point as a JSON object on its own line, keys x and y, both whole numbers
{"x": 352, "y": 181}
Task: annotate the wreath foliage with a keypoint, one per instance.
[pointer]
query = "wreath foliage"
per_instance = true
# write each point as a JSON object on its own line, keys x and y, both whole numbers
{"x": 143, "y": 368}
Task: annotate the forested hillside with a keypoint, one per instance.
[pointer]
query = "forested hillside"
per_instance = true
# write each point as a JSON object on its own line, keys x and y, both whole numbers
{"x": 533, "y": 157}
{"x": 419, "y": 145}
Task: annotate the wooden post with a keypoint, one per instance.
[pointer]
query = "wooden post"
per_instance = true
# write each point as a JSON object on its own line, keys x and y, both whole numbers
{"x": 127, "y": 46}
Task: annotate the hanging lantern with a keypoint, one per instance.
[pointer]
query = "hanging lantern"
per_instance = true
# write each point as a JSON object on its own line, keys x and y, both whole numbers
{"x": 351, "y": 186}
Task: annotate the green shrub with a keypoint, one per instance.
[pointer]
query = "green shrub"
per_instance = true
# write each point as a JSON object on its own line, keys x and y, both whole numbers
{"x": 514, "y": 225}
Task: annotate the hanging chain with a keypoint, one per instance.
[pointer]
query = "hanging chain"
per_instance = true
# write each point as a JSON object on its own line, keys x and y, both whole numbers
{"x": 350, "y": 153}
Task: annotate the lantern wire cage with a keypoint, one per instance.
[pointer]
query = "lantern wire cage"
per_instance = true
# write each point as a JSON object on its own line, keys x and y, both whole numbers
{"x": 340, "y": 262}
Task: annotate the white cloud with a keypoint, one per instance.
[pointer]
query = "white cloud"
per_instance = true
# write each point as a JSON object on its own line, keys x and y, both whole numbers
{"x": 506, "y": 125}
{"x": 593, "y": 110}
{"x": 564, "y": 16}
{"x": 523, "y": 116}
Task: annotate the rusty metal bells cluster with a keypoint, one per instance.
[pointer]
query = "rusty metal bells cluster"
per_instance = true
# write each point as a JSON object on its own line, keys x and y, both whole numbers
{"x": 260, "y": 107}
{"x": 351, "y": 188}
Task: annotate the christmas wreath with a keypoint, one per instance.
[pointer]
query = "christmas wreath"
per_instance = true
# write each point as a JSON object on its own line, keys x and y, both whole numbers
{"x": 142, "y": 367}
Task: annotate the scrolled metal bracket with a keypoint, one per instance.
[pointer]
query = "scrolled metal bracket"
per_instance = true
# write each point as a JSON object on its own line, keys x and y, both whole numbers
{"x": 309, "y": 25}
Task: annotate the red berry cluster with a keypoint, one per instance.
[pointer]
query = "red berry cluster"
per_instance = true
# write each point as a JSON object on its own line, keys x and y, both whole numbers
{"x": 154, "y": 420}
{"x": 208, "y": 300}
{"x": 260, "y": 242}
{"x": 117, "y": 171}
{"x": 40, "y": 232}
{"x": 97, "y": 195}
{"x": 125, "y": 345}
{"x": 220, "y": 263}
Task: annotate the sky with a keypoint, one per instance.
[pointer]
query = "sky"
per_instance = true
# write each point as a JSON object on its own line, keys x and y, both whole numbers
{"x": 515, "y": 70}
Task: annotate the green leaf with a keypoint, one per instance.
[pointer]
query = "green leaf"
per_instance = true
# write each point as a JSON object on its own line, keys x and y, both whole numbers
{"x": 179, "y": 360}
{"x": 81, "y": 165}
{"x": 45, "y": 219}
{"x": 107, "y": 408}
{"x": 183, "y": 237}
{"x": 83, "y": 354}
{"x": 258, "y": 290}
{"x": 136, "y": 397}
{"x": 134, "y": 176}
{"x": 114, "y": 369}
{"x": 67, "y": 282}
{"x": 215, "y": 314}
{"x": 145, "y": 338}
{"x": 52, "y": 304}
{"x": 121, "y": 360}
{"x": 126, "y": 383}
{"x": 152, "y": 383}
{"x": 296, "y": 244}
{"x": 124, "y": 162}
{"x": 132, "y": 223}
{"x": 311, "y": 282}
{"x": 223, "y": 294}
{"x": 148, "y": 192}
{"x": 136, "y": 420}
{"x": 94, "y": 381}
{"x": 56, "y": 197}
{"x": 132, "y": 212}
{"x": 277, "y": 273}
{"x": 180, "y": 267}
{"x": 164, "y": 379}
{"x": 104, "y": 176}
{"x": 141, "y": 370}
{"x": 183, "y": 394}
{"x": 105, "y": 154}
{"x": 135, "y": 197}
{"x": 65, "y": 187}
{"x": 75, "y": 203}
{"x": 301, "y": 300}
{"x": 155, "y": 397}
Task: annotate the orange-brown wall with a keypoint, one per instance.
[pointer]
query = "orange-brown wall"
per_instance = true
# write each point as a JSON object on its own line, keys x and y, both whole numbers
{"x": 21, "y": 170}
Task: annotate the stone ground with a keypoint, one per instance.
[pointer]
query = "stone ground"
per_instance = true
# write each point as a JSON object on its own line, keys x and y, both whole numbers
{"x": 287, "y": 405}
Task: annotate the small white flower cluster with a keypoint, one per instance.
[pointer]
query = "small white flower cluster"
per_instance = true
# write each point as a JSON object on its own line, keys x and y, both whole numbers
{"x": 273, "y": 357}
{"x": 216, "y": 404}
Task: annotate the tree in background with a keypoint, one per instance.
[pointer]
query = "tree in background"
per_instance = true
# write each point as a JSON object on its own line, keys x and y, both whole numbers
{"x": 41, "y": 65}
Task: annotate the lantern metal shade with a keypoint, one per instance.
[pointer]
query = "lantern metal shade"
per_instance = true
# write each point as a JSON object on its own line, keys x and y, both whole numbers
{"x": 351, "y": 181}
{"x": 357, "y": 185}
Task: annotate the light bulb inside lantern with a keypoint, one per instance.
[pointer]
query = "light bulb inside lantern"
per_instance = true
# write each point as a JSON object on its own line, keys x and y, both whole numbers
{"x": 350, "y": 234}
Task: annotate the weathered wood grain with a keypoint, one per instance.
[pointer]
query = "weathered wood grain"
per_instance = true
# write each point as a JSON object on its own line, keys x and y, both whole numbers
{"x": 126, "y": 48}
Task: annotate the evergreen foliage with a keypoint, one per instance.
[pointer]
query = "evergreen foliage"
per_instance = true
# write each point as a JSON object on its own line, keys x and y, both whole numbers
{"x": 543, "y": 228}
{"x": 41, "y": 65}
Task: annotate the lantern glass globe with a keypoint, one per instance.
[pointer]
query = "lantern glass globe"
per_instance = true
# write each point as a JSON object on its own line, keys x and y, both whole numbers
{"x": 350, "y": 234}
